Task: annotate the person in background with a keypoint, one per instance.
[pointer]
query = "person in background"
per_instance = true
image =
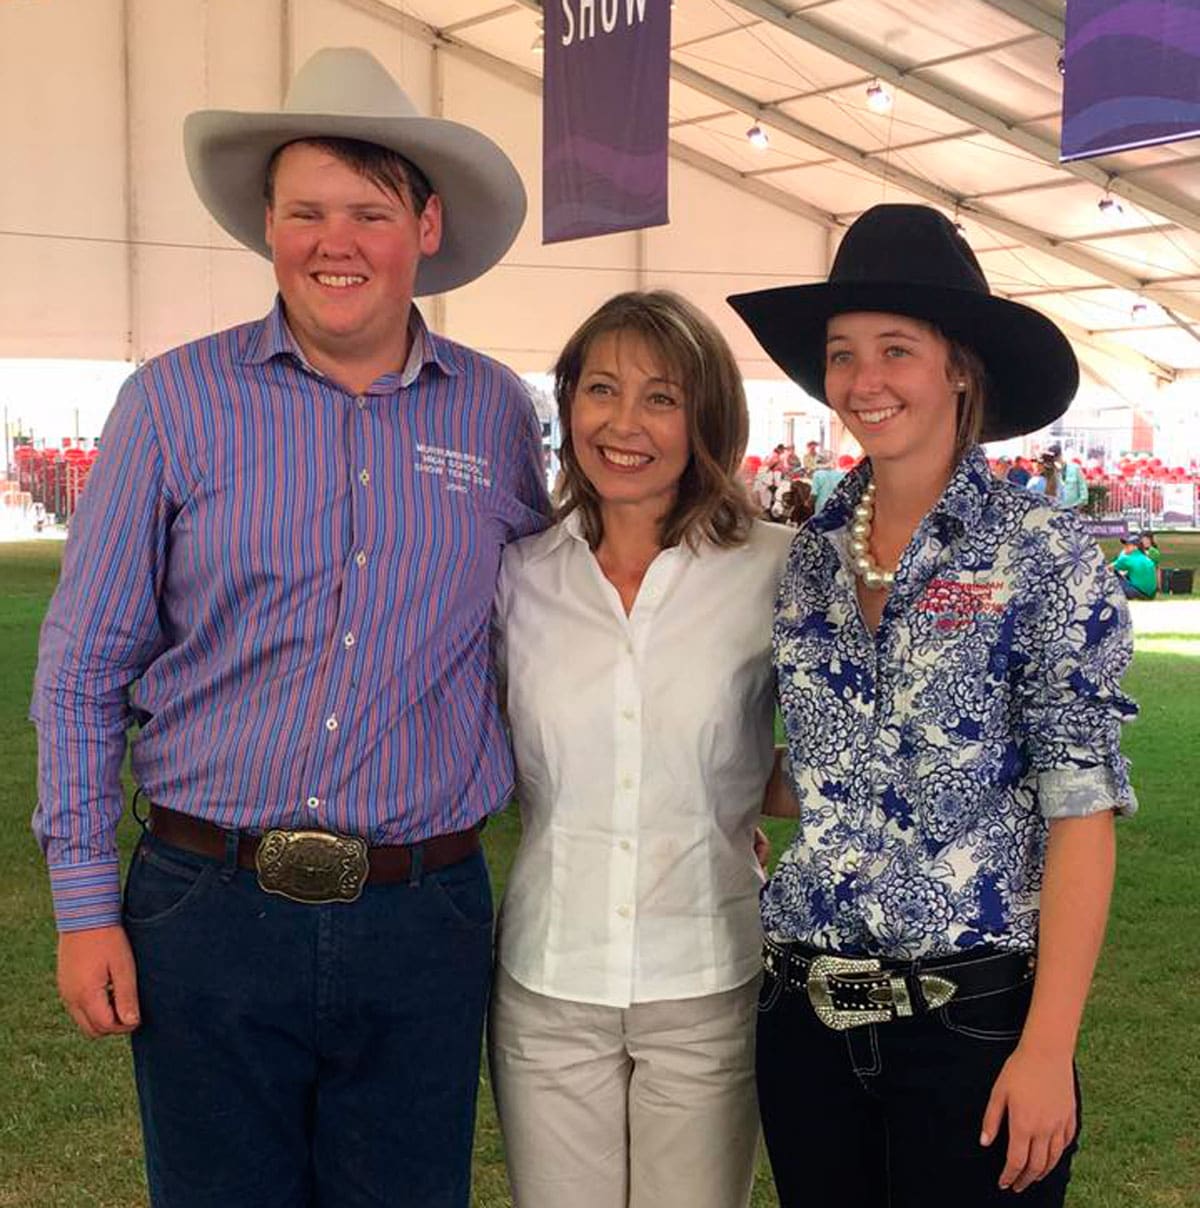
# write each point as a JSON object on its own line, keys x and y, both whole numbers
{"x": 282, "y": 572}
{"x": 825, "y": 480}
{"x": 635, "y": 641}
{"x": 813, "y": 458}
{"x": 1019, "y": 475}
{"x": 1044, "y": 479}
{"x": 1149, "y": 546}
{"x": 948, "y": 651}
{"x": 800, "y": 502}
{"x": 1137, "y": 571}
{"x": 1072, "y": 486}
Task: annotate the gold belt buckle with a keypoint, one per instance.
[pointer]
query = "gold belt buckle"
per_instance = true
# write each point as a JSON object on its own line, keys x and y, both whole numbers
{"x": 312, "y": 866}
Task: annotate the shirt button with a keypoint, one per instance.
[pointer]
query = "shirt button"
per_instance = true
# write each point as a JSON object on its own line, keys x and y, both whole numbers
{"x": 626, "y": 845}
{"x": 313, "y": 803}
{"x": 331, "y": 722}
{"x": 362, "y": 402}
{"x": 624, "y": 911}
{"x": 364, "y": 477}
{"x": 628, "y": 714}
{"x": 348, "y": 640}
{"x": 627, "y": 782}
{"x": 360, "y": 559}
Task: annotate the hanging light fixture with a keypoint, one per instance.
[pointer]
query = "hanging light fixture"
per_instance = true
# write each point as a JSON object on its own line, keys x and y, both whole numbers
{"x": 879, "y": 97}
{"x": 758, "y": 137}
{"x": 1139, "y": 312}
{"x": 1110, "y": 206}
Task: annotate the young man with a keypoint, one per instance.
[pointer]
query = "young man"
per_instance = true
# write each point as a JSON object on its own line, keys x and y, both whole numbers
{"x": 282, "y": 572}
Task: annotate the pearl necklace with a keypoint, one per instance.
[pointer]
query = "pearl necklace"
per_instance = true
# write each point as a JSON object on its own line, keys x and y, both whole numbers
{"x": 865, "y": 567}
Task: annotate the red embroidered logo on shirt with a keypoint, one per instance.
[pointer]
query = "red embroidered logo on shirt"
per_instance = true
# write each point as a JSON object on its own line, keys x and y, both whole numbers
{"x": 956, "y": 605}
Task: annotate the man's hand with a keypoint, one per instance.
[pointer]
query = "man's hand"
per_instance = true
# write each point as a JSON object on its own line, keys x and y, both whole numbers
{"x": 97, "y": 980}
{"x": 1038, "y": 1094}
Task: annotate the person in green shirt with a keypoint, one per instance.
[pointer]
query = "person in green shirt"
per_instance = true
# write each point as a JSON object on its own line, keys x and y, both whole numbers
{"x": 1149, "y": 547}
{"x": 1138, "y": 574}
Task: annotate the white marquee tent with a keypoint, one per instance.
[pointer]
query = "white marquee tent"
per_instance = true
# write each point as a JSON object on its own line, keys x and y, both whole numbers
{"x": 108, "y": 255}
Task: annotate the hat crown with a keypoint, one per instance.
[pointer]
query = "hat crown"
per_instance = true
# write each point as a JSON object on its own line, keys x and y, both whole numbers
{"x": 911, "y": 244}
{"x": 347, "y": 81}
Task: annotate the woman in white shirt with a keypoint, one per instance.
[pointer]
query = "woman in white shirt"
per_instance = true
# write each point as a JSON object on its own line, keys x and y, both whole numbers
{"x": 635, "y": 634}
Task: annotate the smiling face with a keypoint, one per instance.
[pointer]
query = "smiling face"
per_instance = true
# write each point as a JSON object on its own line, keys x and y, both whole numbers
{"x": 889, "y": 379}
{"x": 629, "y": 425}
{"x": 346, "y": 254}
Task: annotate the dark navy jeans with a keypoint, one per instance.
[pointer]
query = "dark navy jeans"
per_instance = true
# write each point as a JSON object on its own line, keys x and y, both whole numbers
{"x": 297, "y": 1056}
{"x": 888, "y": 1115}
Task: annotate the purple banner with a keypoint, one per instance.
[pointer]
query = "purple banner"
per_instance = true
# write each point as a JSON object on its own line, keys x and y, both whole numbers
{"x": 1132, "y": 75}
{"x": 604, "y": 117}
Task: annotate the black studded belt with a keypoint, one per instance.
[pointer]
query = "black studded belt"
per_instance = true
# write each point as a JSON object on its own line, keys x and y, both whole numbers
{"x": 848, "y": 991}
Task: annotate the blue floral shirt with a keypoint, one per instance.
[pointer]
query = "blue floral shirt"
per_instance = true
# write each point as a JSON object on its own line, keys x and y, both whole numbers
{"x": 930, "y": 757}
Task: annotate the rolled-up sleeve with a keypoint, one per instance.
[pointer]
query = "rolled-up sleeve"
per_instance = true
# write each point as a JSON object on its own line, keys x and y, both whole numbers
{"x": 101, "y": 631}
{"x": 1077, "y": 642}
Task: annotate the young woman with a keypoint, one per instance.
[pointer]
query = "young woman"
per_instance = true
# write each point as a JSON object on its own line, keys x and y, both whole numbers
{"x": 948, "y": 651}
{"x": 636, "y": 639}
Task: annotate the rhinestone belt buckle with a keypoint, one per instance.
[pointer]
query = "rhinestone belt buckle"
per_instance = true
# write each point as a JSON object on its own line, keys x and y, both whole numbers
{"x": 847, "y": 992}
{"x": 312, "y": 866}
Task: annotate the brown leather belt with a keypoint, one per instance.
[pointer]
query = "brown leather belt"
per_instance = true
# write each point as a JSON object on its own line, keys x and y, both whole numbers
{"x": 381, "y": 865}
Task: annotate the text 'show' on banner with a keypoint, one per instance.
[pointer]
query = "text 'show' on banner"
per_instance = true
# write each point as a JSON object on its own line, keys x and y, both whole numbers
{"x": 1132, "y": 75}
{"x": 604, "y": 117}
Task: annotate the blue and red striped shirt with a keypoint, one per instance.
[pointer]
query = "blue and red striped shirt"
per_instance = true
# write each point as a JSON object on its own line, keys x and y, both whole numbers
{"x": 287, "y": 588}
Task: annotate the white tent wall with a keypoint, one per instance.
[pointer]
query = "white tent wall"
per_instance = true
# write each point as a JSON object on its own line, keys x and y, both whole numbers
{"x": 109, "y": 255}
{"x": 62, "y": 190}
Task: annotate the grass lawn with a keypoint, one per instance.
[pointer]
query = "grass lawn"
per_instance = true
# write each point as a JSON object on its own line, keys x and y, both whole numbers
{"x": 68, "y": 1120}
{"x": 1178, "y": 550}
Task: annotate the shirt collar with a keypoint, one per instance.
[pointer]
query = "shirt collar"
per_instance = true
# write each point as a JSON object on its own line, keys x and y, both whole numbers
{"x": 570, "y": 528}
{"x": 273, "y": 338}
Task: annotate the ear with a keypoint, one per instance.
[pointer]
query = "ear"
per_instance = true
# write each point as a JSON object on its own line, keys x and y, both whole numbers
{"x": 430, "y": 226}
{"x": 269, "y": 229}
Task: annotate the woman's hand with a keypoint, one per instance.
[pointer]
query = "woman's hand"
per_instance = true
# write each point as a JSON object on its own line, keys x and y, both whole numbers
{"x": 762, "y": 847}
{"x": 1037, "y": 1093}
{"x": 1036, "y": 1087}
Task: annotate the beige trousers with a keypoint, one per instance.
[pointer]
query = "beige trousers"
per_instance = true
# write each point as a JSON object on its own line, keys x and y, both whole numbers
{"x": 650, "y": 1106}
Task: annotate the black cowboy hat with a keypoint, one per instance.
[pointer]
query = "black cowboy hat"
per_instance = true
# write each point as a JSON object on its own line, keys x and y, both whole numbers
{"x": 911, "y": 260}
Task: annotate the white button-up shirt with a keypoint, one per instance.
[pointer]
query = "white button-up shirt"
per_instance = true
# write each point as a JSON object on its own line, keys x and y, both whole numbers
{"x": 643, "y": 744}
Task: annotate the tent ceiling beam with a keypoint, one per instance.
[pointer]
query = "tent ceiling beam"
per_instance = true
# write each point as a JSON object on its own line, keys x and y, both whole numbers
{"x": 748, "y": 184}
{"x": 960, "y": 106}
{"x": 531, "y": 82}
{"x": 1180, "y": 323}
{"x": 1033, "y": 15}
{"x": 482, "y": 18}
{"x": 1115, "y": 349}
{"x": 921, "y": 187}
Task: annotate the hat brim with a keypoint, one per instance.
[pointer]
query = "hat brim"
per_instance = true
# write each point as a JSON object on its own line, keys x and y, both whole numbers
{"x": 1031, "y": 367}
{"x": 483, "y": 199}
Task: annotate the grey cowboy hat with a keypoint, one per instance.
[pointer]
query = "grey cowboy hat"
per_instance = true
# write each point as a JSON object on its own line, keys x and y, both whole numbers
{"x": 911, "y": 260}
{"x": 347, "y": 93}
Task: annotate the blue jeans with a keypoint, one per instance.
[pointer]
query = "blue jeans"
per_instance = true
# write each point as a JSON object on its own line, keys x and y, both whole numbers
{"x": 888, "y": 1115}
{"x": 299, "y": 1056}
